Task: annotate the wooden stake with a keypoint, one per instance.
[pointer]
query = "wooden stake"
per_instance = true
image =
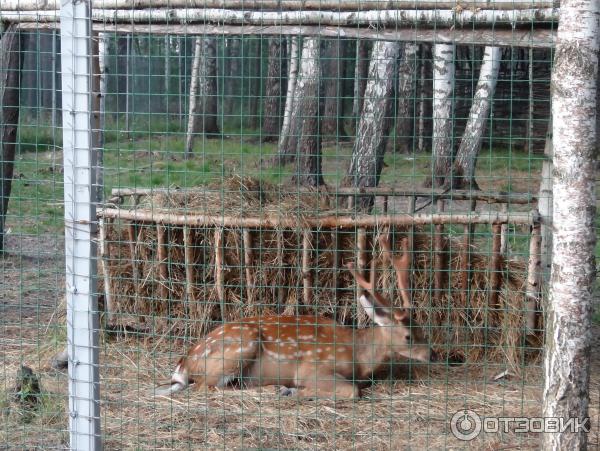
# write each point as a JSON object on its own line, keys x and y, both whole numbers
{"x": 189, "y": 255}
{"x": 534, "y": 277}
{"x": 307, "y": 274}
{"x": 135, "y": 262}
{"x": 162, "y": 254}
{"x": 495, "y": 271}
{"x": 104, "y": 265}
{"x": 361, "y": 257}
{"x": 248, "y": 260}
{"x": 439, "y": 259}
{"x": 219, "y": 277}
{"x": 335, "y": 234}
{"x": 504, "y": 234}
{"x": 465, "y": 260}
{"x": 282, "y": 302}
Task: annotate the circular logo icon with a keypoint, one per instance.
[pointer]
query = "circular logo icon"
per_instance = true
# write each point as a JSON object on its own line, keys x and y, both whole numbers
{"x": 465, "y": 425}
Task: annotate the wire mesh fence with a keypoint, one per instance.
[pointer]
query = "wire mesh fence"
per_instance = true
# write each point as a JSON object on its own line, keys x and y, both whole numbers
{"x": 312, "y": 230}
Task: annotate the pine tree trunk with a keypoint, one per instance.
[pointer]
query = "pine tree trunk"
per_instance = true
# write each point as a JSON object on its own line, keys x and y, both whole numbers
{"x": 405, "y": 114}
{"x": 443, "y": 87}
{"x": 466, "y": 158}
{"x": 208, "y": 88}
{"x": 308, "y": 155}
{"x": 255, "y": 61}
{"x": 232, "y": 77}
{"x": 361, "y": 73}
{"x": 11, "y": 62}
{"x": 287, "y": 140}
{"x": 275, "y": 85}
{"x": 332, "y": 125}
{"x": 569, "y": 314}
{"x": 375, "y": 122}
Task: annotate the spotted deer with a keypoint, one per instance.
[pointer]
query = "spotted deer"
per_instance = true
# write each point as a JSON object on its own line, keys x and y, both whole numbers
{"x": 308, "y": 356}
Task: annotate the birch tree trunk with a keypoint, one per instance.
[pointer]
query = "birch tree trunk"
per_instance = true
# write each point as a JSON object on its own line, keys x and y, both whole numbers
{"x": 424, "y": 107}
{"x": 273, "y": 102}
{"x": 191, "y": 127}
{"x": 308, "y": 154}
{"x": 545, "y": 205}
{"x": 333, "y": 114}
{"x": 568, "y": 326}
{"x": 202, "y": 114}
{"x": 287, "y": 140}
{"x": 11, "y": 63}
{"x": 374, "y": 125}
{"x": 443, "y": 87}
{"x": 463, "y": 176}
{"x": 361, "y": 72}
{"x": 405, "y": 114}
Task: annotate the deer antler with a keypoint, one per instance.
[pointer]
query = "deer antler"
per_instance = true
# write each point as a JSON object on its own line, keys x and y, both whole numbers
{"x": 401, "y": 266}
{"x": 368, "y": 285}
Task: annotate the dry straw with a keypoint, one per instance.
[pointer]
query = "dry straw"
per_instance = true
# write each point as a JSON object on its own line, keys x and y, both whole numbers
{"x": 462, "y": 325}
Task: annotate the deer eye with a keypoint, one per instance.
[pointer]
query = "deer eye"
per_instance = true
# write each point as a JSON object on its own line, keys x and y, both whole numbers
{"x": 407, "y": 337}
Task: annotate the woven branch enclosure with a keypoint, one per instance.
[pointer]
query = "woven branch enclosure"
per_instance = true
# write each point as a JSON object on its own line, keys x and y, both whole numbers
{"x": 185, "y": 279}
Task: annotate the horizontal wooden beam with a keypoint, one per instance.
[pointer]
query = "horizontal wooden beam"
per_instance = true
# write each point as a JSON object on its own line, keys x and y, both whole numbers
{"x": 452, "y": 18}
{"x": 289, "y": 5}
{"x": 329, "y": 221}
{"x": 490, "y": 197}
{"x": 536, "y": 38}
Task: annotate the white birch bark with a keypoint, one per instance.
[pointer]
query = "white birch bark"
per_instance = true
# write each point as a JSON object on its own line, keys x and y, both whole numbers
{"x": 443, "y": 87}
{"x": 545, "y": 206}
{"x": 568, "y": 323}
{"x": 33, "y": 5}
{"x": 466, "y": 157}
{"x": 193, "y": 102}
{"x": 406, "y": 88}
{"x": 375, "y": 121}
{"x": 381, "y": 18}
{"x": 290, "y": 95}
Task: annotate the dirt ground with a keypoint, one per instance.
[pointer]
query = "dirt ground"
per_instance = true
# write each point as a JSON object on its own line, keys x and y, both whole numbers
{"x": 400, "y": 415}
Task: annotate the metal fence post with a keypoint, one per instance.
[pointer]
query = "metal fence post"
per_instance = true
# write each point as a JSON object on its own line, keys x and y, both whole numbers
{"x": 80, "y": 225}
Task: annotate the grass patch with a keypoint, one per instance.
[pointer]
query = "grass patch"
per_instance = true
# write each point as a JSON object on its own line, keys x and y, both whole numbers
{"x": 153, "y": 156}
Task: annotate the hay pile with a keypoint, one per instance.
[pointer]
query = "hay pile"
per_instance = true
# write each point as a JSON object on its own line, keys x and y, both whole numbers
{"x": 471, "y": 332}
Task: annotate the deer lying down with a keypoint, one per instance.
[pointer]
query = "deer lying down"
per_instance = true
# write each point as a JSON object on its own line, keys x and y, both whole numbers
{"x": 307, "y": 355}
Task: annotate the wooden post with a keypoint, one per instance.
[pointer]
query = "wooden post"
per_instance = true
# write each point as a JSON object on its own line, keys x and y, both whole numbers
{"x": 495, "y": 266}
{"x": 440, "y": 265}
{"x": 163, "y": 257}
{"x": 219, "y": 277}
{"x": 385, "y": 204}
{"x": 361, "y": 258}
{"x": 533, "y": 277}
{"x": 104, "y": 266}
{"x": 412, "y": 200}
{"x": 248, "y": 260}
{"x": 335, "y": 234}
{"x": 307, "y": 274}
{"x": 465, "y": 260}
{"x": 131, "y": 237}
{"x": 189, "y": 255}
{"x": 504, "y": 244}
{"x": 279, "y": 280}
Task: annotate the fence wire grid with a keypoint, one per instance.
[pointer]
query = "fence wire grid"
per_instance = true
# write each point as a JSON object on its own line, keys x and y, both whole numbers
{"x": 312, "y": 226}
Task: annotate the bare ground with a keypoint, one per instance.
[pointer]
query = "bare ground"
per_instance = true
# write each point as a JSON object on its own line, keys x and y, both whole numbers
{"x": 402, "y": 415}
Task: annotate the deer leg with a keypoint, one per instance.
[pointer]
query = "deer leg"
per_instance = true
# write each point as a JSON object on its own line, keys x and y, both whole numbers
{"x": 220, "y": 360}
{"x": 314, "y": 382}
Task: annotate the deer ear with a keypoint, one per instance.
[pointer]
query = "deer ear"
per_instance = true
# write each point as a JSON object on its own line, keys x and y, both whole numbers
{"x": 379, "y": 315}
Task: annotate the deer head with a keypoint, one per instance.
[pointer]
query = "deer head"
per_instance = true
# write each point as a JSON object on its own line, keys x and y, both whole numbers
{"x": 397, "y": 327}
